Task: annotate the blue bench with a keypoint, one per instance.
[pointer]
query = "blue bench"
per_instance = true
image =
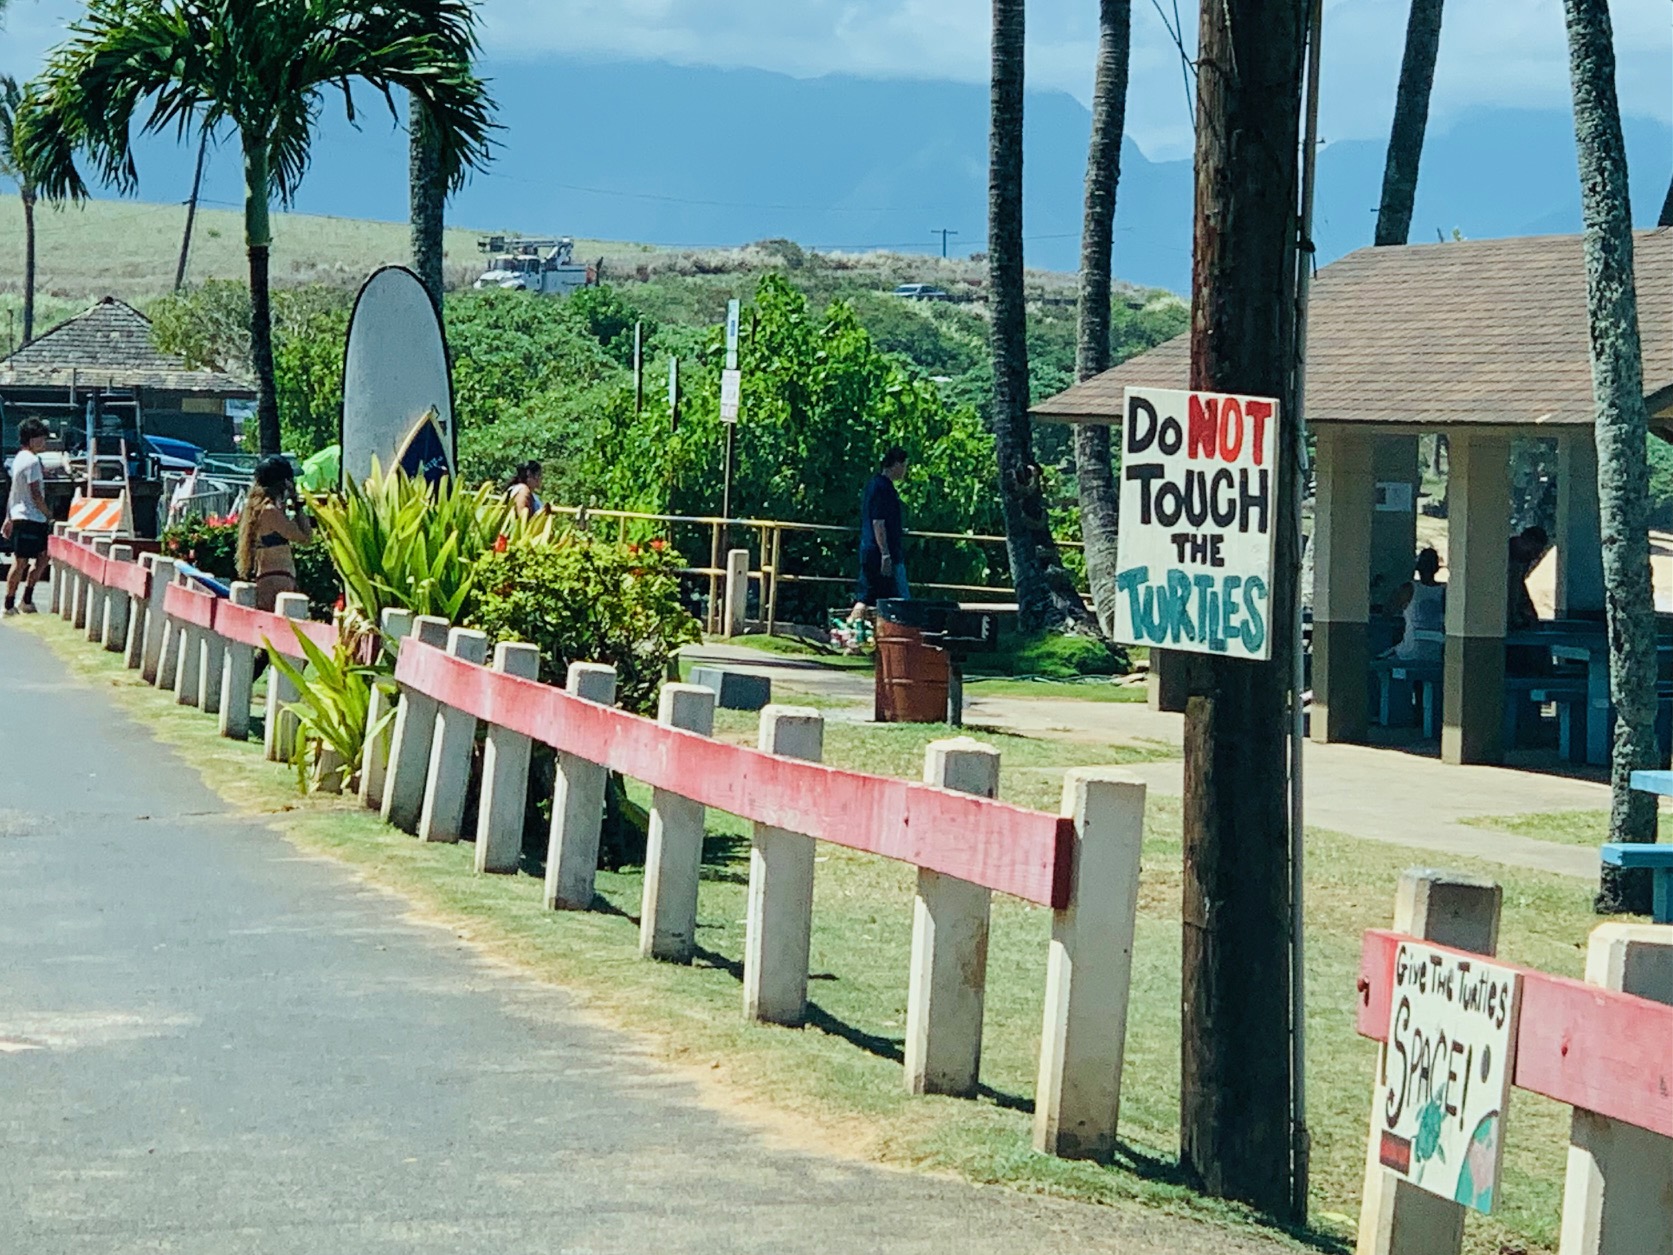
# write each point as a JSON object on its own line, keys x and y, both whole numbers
{"x": 1398, "y": 681}
{"x": 1659, "y": 859}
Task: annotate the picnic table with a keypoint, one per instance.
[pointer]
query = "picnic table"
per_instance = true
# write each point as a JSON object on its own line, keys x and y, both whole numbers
{"x": 1657, "y": 857}
{"x": 1587, "y": 642}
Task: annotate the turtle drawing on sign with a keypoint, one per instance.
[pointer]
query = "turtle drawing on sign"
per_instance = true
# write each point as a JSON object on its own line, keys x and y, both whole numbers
{"x": 1475, "y": 1174}
{"x": 1427, "y": 1144}
{"x": 423, "y": 455}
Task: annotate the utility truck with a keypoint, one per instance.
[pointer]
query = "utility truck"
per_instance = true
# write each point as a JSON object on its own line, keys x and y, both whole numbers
{"x": 522, "y": 264}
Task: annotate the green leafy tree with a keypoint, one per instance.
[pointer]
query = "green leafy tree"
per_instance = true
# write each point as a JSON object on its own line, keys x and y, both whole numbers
{"x": 14, "y": 165}
{"x": 260, "y": 67}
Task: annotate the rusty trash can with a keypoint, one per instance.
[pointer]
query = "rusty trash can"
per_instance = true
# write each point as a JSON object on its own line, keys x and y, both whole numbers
{"x": 913, "y": 675}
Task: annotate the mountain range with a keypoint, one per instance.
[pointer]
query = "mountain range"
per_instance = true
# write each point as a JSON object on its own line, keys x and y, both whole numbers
{"x": 673, "y": 155}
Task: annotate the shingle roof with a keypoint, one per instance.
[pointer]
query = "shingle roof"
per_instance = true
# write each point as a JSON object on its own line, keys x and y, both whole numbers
{"x": 110, "y": 346}
{"x": 1476, "y": 332}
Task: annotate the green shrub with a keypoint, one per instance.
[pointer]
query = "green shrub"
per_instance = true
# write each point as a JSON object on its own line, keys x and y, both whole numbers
{"x": 579, "y": 599}
{"x": 1051, "y": 656}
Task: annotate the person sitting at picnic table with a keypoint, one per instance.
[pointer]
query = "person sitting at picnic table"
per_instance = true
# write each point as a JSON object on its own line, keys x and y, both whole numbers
{"x": 1421, "y": 604}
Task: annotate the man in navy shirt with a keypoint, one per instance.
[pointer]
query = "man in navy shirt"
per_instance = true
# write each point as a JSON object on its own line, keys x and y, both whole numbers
{"x": 882, "y": 535}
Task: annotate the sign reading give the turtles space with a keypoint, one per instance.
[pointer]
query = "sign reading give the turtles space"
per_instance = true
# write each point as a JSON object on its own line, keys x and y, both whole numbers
{"x": 1446, "y": 1072}
{"x": 1198, "y": 511}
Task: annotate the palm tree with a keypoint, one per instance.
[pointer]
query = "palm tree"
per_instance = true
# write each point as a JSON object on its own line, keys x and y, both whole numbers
{"x": 1665, "y": 219}
{"x": 261, "y": 66}
{"x": 1046, "y": 596}
{"x": 427, "y": 192}
{"x": 13, "y": 166}
{"x": 1411, "y": 118}
{"x": 1094, "y": 468}
{"x": 1622, "y": 433}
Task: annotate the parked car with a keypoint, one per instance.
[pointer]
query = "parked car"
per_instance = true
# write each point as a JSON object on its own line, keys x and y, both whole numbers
{"x": 921, "y": 292}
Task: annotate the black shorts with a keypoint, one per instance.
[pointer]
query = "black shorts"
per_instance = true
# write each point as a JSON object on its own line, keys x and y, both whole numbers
{"x": 29, "y": 538}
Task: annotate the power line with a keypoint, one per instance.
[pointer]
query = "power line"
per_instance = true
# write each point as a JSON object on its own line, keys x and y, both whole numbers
{"x": 943, "y": 232}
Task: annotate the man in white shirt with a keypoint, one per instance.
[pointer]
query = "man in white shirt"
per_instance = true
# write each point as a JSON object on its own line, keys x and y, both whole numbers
{"x": 27, "y": 525}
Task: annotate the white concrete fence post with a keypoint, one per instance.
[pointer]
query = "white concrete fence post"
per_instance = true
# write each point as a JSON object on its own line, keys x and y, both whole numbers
{"x": 212, "y": 647}
{"x": 409, "y": 746}
{"x": 93, "y": 622}
{"x": 394, "y": 625}
{"x": 1618, "y": 1197}
{"x": 75, "y": 606}
{"x": 779, "y": 921}
{"x": 737, "y": 591}
{"x": 1077, "y": 1100}
{"x": 451, "y": 748}
{"x": 189, "y": 665}
{"x": 114, "y": 632}
{"x": 674, "y": 848}
{"x": 949, "y": 945}
{"x": 157, "y": 666}
{"x": 238, "y": 674}
{"x": 280, "y": 728}
{"x": 133, "y": 649}
{"x": 578, "y": 804}
{"x": 59, "y": 573}
{"x": 1395, "y": 1217}
{"x": 505, "y": 773}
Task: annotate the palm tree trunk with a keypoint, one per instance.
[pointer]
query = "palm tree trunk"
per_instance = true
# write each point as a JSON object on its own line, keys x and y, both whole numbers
{"x": 428, "y": 195}
{"x": 1621, "y": 433}
{"x": 1235, "y": 1081}
{"x": 1411, "y": 118}
{"x": 258, "y": 238}
{"x": 1046, "y": 597}
{"x": 1094, "y": 467}
{"x": 28, "y": 196}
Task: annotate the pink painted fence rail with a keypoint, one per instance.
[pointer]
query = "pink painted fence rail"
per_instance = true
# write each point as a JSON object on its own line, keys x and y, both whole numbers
{"x": 1581, "y": 1044}
{"x": 1020, "y": 852}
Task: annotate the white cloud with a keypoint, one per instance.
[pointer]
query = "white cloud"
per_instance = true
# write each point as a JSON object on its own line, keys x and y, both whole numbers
{"x": 1493, "y": 52}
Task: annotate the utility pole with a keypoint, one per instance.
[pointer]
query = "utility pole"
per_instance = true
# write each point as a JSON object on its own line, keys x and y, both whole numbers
{"x": 191, "y": 211}
{"x": 943, "y": 232}
{"x": 1235, "y": 1074}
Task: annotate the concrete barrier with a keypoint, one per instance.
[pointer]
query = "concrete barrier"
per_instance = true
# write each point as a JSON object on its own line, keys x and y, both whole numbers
{"x": 280, "y": 726}
{"x": 158, "y": 632}
{"x": 189, "y": 648}
{"x": 394, "y": 625}
{"x": 93, "y": 619}
{"x": 409, "y": 747}
{"x": 505, "y": 774}
{"x": 948, "y": 975}
{"x": 779, "y": 920}
{"x": 452, "y": 745}
{"x": 578, "y": 804}
{"x": 238, "y": 674}
{"x": 1077, "y": 1099}
{"x": 737, "y": 592}
{"x": 674, "y": 848}
{"x": 59, "y": 573}
{"x": 133, "y": 649}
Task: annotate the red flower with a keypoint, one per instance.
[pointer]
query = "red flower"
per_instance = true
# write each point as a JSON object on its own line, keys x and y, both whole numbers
{"x": 499, "y": 543}
{"x": 633, "y": 548}
{"x": 659, "y": 544}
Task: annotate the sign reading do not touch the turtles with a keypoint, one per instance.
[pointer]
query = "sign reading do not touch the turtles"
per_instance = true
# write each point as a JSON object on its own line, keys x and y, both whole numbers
{"x": 1198, "y": 512}
{"x": 1446, "y": 1072}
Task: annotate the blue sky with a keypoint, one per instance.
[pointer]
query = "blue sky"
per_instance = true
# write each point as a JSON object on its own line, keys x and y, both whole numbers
{"x": 1493, "y": 52}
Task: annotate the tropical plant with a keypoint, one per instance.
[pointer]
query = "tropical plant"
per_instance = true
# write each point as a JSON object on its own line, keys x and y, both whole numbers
{"x": 1046, "y": 596}
{"x": 1622, "y": 425}
{"x": 579, "y": 599}
{"x": 398, "y": 541}
{"x": 1094, "y": 466}
{"x": 1411, "y": 119}
{"x": 262, "y": 68}
{"x": 333, "y": 709}
{"x": 15, "y": 165}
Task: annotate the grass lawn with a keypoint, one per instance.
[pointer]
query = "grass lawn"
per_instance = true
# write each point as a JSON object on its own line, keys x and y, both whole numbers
{"x": 1568, "y": 827}
{"x": 843, "y": 1072}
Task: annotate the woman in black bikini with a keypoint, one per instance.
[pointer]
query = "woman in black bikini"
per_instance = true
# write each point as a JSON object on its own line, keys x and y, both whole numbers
{"x": 273, "y": 521}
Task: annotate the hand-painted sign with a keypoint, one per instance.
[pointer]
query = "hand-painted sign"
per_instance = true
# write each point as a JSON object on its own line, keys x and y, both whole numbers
{"x": 1199, "y": 506}
{"x": 1446, "y": 1072}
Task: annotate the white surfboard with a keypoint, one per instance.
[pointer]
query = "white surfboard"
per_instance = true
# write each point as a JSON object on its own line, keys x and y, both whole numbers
{"x": 395, "y": 373}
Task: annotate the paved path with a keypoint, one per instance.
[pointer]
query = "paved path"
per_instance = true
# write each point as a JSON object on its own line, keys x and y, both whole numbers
{"x": 1378, "y": 794}
{"x": 211, "y": 1045}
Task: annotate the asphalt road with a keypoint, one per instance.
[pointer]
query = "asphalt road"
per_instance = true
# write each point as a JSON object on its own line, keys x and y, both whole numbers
{"x": 211, "y": 1044}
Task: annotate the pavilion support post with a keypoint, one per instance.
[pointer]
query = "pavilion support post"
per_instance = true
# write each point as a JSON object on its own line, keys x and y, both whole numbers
{"x": 1341, "y": 584}
{"x": 1395, "y": 473}
{"x": 1579, "y": 532}
{"x": 1478, "y": 538}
